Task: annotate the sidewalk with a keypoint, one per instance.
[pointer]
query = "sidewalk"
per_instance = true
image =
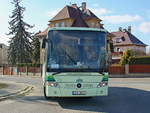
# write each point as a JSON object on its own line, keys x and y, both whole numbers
{"x": 131, "y": 75}
{"x": 30, "y": 76}
{"x": 12, "y": 88}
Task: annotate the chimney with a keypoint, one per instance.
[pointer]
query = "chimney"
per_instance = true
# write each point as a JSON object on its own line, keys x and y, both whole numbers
{"x": 120, "y": 28}
{"x": 74, "y": 5}
{"x": 129, "y": 29}
{"x": 83, "y": 5}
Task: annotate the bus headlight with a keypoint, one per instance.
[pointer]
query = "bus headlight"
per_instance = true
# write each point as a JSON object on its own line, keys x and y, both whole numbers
{"x": 102, "y": 84}
{"x": 52, "y": 84}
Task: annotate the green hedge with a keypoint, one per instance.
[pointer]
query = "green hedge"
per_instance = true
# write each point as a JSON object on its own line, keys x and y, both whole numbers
{"x": 140, "y": 60}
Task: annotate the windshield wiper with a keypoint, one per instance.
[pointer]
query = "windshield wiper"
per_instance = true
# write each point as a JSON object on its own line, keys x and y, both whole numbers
{"x": 55, "y": 73}
{"x": 65, "y": 53}
{"x": 69, "y": 56}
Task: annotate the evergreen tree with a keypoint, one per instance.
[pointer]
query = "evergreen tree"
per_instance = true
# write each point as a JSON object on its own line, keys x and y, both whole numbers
{"x": 20, "y": 46}
{"x": 35, "y": 51}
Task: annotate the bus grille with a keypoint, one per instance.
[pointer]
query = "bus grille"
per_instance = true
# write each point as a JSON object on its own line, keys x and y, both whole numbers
{"x": 75, "y": 85}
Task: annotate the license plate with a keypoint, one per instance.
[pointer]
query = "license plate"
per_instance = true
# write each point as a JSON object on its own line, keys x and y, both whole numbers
{"x": 78, "y": 92}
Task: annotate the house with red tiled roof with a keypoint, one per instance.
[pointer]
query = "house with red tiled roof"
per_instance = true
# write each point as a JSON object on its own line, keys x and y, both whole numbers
{"x": 73, "y": 16}
{"x": 123, "y": 39}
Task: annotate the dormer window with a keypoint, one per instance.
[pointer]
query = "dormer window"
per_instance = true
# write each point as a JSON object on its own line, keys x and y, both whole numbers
{"x": 123, "y": 38}
{"x": 118, "y": 40}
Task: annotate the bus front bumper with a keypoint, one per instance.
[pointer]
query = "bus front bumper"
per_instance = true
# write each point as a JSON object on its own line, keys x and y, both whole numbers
{"x": 76, "y": 92}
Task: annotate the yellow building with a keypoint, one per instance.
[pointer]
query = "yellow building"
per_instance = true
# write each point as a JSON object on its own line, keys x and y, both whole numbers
{"x": 73, "y": 16}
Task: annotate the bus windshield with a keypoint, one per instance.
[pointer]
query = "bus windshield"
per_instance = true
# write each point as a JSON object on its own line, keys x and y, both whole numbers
{"x": 76, "y": 51}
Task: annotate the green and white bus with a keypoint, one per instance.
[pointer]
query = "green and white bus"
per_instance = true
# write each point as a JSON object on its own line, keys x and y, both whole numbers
{"x": 75, "y": 62}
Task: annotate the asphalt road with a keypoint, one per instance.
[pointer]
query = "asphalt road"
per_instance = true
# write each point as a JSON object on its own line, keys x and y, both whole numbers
{"x": 126, "y": 95}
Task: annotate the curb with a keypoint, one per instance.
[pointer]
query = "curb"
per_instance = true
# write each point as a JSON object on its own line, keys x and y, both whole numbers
{"x": 130, "y": 76}
{"x": 18, "y": 93}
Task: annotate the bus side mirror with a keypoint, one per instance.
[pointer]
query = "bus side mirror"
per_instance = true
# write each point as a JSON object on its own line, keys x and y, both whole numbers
{"x": 44, "y": 43}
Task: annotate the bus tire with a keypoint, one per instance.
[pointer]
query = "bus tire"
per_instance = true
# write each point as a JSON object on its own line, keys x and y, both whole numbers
{"x": 45, "y": 96}
{"x": 88, "y": 97}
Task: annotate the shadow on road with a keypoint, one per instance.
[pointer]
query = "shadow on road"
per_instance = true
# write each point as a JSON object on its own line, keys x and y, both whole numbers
{"x": 120, "y": 100}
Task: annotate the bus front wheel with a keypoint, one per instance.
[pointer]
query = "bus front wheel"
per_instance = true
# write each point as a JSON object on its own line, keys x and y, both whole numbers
{"x": 46, "y": 97}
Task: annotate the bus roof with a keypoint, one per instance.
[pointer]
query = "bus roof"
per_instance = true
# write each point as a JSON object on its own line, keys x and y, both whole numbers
{"x": 75, "y": 29}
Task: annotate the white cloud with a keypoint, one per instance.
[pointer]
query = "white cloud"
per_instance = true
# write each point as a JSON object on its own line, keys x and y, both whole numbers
{"x": 100, "y": 11}
{"x": 4, "y": 39}
{"x": 144, "y": 27}
{"x": 4, "y": 28}
{"x": 117, "y": 19}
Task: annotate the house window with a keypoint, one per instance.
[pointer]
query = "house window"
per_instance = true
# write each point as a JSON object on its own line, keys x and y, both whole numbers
{"x": 1, "y": 46}
{"x": 118, "y": 40}
{"x": 62, "y": 24}
{"x": 123, "y": 38}
{"x": 118, "y": 50}
{"x": 56, "y": 25}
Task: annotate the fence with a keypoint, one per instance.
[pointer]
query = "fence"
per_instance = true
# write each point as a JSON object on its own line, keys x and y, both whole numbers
{"x": 113, "y": 70}
{"x": 117, "y": 69}
{"x": 129, "y": 69}
{"x": 7, "y": 70}
{"x": 139, "y": 68}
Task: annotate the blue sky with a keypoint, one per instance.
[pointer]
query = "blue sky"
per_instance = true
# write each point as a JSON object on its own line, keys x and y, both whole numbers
{"x": 114, "y": 13}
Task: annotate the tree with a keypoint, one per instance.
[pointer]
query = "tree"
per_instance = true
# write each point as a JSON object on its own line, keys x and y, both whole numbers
{"x": 110, "y": 48}
{"x": 20, "y": 42}
{"x": 126, "y": 57}
{"x": 35, "y": 51}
